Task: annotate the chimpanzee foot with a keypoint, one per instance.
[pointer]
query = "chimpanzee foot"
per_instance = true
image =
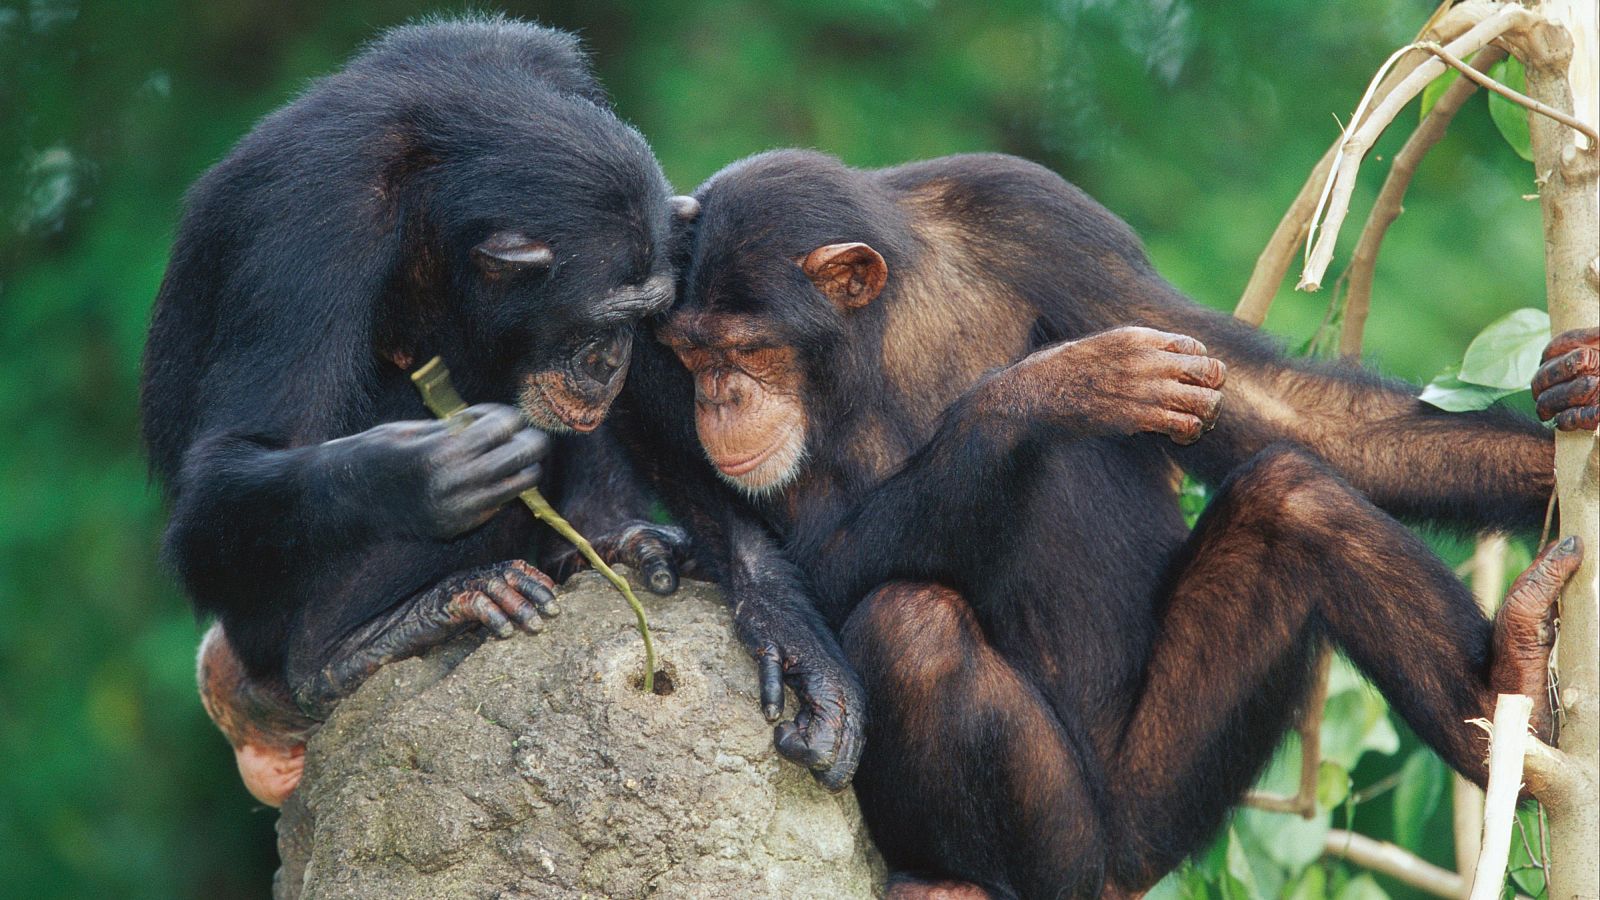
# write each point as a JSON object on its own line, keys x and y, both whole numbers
{"x": 1524, "y": 630}
{"x": 260, "y": 720}
{"x": 656, "y": 552}
{"x": 500, "y": 597}
{"x": 910, "y": 887}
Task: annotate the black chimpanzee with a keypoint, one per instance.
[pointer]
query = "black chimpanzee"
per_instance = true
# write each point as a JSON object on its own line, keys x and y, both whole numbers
{"x": 941, "y": 391}
{"x": 459, "y": 188}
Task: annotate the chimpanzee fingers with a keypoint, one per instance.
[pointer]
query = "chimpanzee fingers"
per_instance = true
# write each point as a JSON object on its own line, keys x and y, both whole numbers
{"x": 808, "y": 741}
{"x": 1581, "y": 391}
{"x": 536, "y": 586}
{"x": 511, "y": 601}
{"x": 1567, "y": 366}
{"x": 1198, "y": 369}
{"x": 1182, "y": 427}
{"x": 503, "y": 491}
{"x": 476, "y": 606}
{"x": 769, "y": 672}
{"x": 1551, "y": 569}
{"x": 655, "y": 550}
{"x": 1567, "y": 341}
{"x": 489, "y": 424}
{"x": 521, "y": 450}
{"x": 1182, "y": 344}
{"x": 1584, "y": 418}
{"x": 836, "y": 777}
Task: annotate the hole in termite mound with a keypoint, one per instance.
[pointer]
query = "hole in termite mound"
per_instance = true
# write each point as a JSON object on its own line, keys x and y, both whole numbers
{"x": 664, "y": 680}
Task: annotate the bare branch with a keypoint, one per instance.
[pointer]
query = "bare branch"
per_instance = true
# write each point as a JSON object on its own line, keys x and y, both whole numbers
{"x": 1507, "y": 741}
{"x": 1520, "y": 99}
{"x": 1498, "y": 20}
{"x": 1394, "y": 861}
{"x": 1447, "y": 23}
{"x": 1388, "y": 206}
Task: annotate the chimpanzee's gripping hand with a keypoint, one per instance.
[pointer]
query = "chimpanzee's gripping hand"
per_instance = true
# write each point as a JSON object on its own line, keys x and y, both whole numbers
{"x": 1121, "y": 381}
{"x": 826, "y": 734}
{"x": 1566, "y": 389}
{"x": 658, "y": 553}
{"x": 435, "y": 479}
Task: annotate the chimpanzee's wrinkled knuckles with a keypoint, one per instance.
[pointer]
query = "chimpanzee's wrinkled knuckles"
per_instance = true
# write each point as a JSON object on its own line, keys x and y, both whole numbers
{"x": 494, "y": 596}
{"x": 656, "y": 552}
{"x": 1566, "y": 389}
{"x": 826, "y": 733}
{"x": 436, "y": 479}
{"x": 1128, "y": 380}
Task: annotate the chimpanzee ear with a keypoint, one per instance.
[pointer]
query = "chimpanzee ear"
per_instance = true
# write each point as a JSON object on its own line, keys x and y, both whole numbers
{"x": 684, "y": 207}
{"x": 512, "y": 250}
{"x": 849, "y": 274}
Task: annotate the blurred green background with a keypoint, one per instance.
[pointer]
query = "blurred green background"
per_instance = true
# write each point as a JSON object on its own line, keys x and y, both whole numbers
{"x": 1195, "y": 121}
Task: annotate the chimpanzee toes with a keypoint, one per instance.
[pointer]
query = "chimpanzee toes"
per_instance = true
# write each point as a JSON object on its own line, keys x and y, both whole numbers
{"x": 1524, "y": 628}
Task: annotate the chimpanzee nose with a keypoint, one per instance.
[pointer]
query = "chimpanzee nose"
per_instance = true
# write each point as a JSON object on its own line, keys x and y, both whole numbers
{"x": 604, "y": 357}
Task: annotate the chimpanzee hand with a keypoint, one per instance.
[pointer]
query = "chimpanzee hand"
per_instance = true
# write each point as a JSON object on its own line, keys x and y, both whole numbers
{"x": 656, "y": 552}
{"x": 1122, "y": 381}
{"x": 435, "y": 479}
{"x": 1566, "y": 388}
{"x": 826, "y": 734}
{"x": 501, "y": 597}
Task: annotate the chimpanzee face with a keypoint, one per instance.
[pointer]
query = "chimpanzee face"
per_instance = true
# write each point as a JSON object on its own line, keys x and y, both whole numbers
{"x": 560, "y": 248}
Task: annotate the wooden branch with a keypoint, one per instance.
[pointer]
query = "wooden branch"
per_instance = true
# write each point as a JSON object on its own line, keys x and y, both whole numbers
{"x": 1446, "y": 24}
{"x": 1498, "y": 19}
{"x": 1507, "y": 742}
{"x": 1395, "y": 861}
{"x": 1304, "y": 801}
{"x": 1488, "y": 568}
{"x": 1520, "y": 99}
{"x": 1388, "y": 206}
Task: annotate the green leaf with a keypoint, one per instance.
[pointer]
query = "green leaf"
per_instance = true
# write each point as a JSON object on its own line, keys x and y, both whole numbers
{"x": 1511, "y": 118}
{"x": 1239, "y": 871}
{"x": 1449, "y": 393}
{"x": 1435, "y": 90}
{"x": 1313, "y": 885}
{"x": 1416, "y": 797}
{"x": 1362, "y": 887}
{"x": 1506, "y": 353}
{"x": 1333, "y": 784}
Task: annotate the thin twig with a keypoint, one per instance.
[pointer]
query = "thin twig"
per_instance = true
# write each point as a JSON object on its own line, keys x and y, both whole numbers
{"x": 1519, "y": 99}
{"x": 1446, "y": 23}
{"x": 1389, "y": 205}
{"x": 1395, "y": 861}
{"x": 1496, "y": 21}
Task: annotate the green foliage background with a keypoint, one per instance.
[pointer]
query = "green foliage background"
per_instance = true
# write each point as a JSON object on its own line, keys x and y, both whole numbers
{"x": 1196, "y": 121}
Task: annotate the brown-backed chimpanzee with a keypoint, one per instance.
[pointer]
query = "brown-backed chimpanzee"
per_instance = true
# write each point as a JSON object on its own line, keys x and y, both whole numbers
{"x": 955, "y": 394}
{"x": 460, "y": 188}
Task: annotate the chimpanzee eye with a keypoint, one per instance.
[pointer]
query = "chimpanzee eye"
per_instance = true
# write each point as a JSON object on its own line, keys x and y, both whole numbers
{"x": 512, "y": 251}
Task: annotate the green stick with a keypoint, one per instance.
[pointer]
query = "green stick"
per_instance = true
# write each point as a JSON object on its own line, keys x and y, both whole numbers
{"x": 433, "y": 380}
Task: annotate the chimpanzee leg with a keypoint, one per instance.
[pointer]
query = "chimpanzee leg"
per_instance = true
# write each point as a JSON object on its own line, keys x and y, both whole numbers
{"x": 1287, "y": 552}
{"x": 968, "y": 773}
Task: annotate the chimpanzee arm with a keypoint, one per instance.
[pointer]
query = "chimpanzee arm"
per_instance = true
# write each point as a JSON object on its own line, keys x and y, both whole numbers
{"x": 1474, "y": 469}
{"x": 774, "y": 613}
{"x": 249, "y": 515}
{"x": 938, "y": 517}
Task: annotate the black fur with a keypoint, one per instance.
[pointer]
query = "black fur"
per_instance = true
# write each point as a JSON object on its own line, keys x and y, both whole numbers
{"x": 1022, "y": 579}
{"x": 333, "y": 246}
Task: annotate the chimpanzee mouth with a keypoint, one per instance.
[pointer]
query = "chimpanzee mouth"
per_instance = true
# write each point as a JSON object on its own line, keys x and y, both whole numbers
{"x": 550, "y": 404}
{"x": 768, "y": 470}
